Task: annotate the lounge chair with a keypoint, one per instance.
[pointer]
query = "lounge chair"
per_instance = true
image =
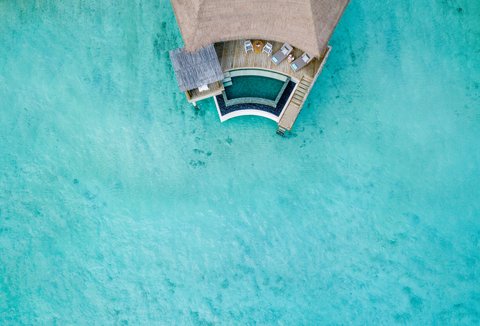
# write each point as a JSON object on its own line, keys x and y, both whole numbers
{"x": 247, "y": 45}
{"x": 268, "y": 49}
{"x": 301, "y": 62}
{"x": 281, "y": 54}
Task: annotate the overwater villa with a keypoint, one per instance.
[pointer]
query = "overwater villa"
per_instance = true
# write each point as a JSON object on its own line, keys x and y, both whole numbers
{"x": 254, "y": 57}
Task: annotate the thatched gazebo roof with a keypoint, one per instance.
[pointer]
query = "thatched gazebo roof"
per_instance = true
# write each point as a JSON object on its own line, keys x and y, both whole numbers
{"x": 197, "y": 68}
{"x": 305, "y": 24}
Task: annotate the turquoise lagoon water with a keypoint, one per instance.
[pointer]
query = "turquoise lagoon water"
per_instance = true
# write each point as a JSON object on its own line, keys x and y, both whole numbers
{"x": 254, "y": 86}
{"x": 120, "y": 204}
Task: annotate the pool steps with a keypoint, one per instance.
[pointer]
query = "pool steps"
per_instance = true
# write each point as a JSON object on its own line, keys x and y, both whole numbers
{"x": 227, "y": 81}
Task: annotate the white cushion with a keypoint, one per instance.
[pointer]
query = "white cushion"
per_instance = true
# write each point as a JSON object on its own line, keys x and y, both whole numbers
{"x": 203, "y": 88}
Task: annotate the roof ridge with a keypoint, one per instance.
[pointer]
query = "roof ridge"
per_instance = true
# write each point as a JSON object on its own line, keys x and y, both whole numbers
{"x": 314, "y": 21}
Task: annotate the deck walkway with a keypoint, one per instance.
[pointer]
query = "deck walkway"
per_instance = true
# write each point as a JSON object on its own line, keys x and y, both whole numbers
{"x": 232, "y": 56}
{"x": 300, "y": 94}
{"x": 295, "y": 105}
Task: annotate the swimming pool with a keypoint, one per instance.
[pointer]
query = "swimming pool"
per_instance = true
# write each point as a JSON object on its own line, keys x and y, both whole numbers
{"x": 254, "y": 86}
{"x": 254, "y": 92}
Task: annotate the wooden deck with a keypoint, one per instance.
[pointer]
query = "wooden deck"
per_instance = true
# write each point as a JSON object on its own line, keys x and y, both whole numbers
{"x": 293, "y": 108}
{"x": 232, "y": 56}
{"x": 195, "y": 95}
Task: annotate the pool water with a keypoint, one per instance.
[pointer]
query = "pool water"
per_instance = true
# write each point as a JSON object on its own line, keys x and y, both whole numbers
{"x": 121, "y": 204}
{"x": 254, "y": 86}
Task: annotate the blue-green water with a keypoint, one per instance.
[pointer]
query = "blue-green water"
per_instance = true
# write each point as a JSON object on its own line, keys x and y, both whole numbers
{"x": 121, "y": 204}
{"x": 254, "y": 86}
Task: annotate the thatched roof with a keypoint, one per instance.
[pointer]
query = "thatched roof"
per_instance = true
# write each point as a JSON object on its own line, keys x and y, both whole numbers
{"x": 305, "y": 24}
{"x": 194, "y": 69}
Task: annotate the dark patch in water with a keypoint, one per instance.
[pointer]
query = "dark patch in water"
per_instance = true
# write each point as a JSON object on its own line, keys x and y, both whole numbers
{"x": 225, "y": 284}
{"x": 197, "y": 163}
{"x": 402, "y": 318}
{"x": 160, "y": 45}
{"x": 415, "y": 301}
{"x": 88, "y": 195}
{"x": 414, "y": 218}
{"x": 197, "y": 320}
{"x": 75, "y": 181}
{"x": 199, "y": 151}
{"x": 198, "y": 112}
{"x": 171, "y": 285}
{"x": 279, "y": 285}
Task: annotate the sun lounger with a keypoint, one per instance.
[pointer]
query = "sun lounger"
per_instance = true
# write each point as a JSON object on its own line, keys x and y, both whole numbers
{"x": 247, "y": 45}
{"x": 281, "y": 54}
{"x": 268, "y": 48}
{"x": 301, "y": 62}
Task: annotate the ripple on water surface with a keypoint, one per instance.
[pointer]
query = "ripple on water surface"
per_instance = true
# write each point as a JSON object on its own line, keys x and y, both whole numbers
{"x": 119, "y": 203}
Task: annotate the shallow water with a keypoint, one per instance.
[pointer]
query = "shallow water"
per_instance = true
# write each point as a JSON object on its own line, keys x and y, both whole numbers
{"x": 121, "y": 204}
